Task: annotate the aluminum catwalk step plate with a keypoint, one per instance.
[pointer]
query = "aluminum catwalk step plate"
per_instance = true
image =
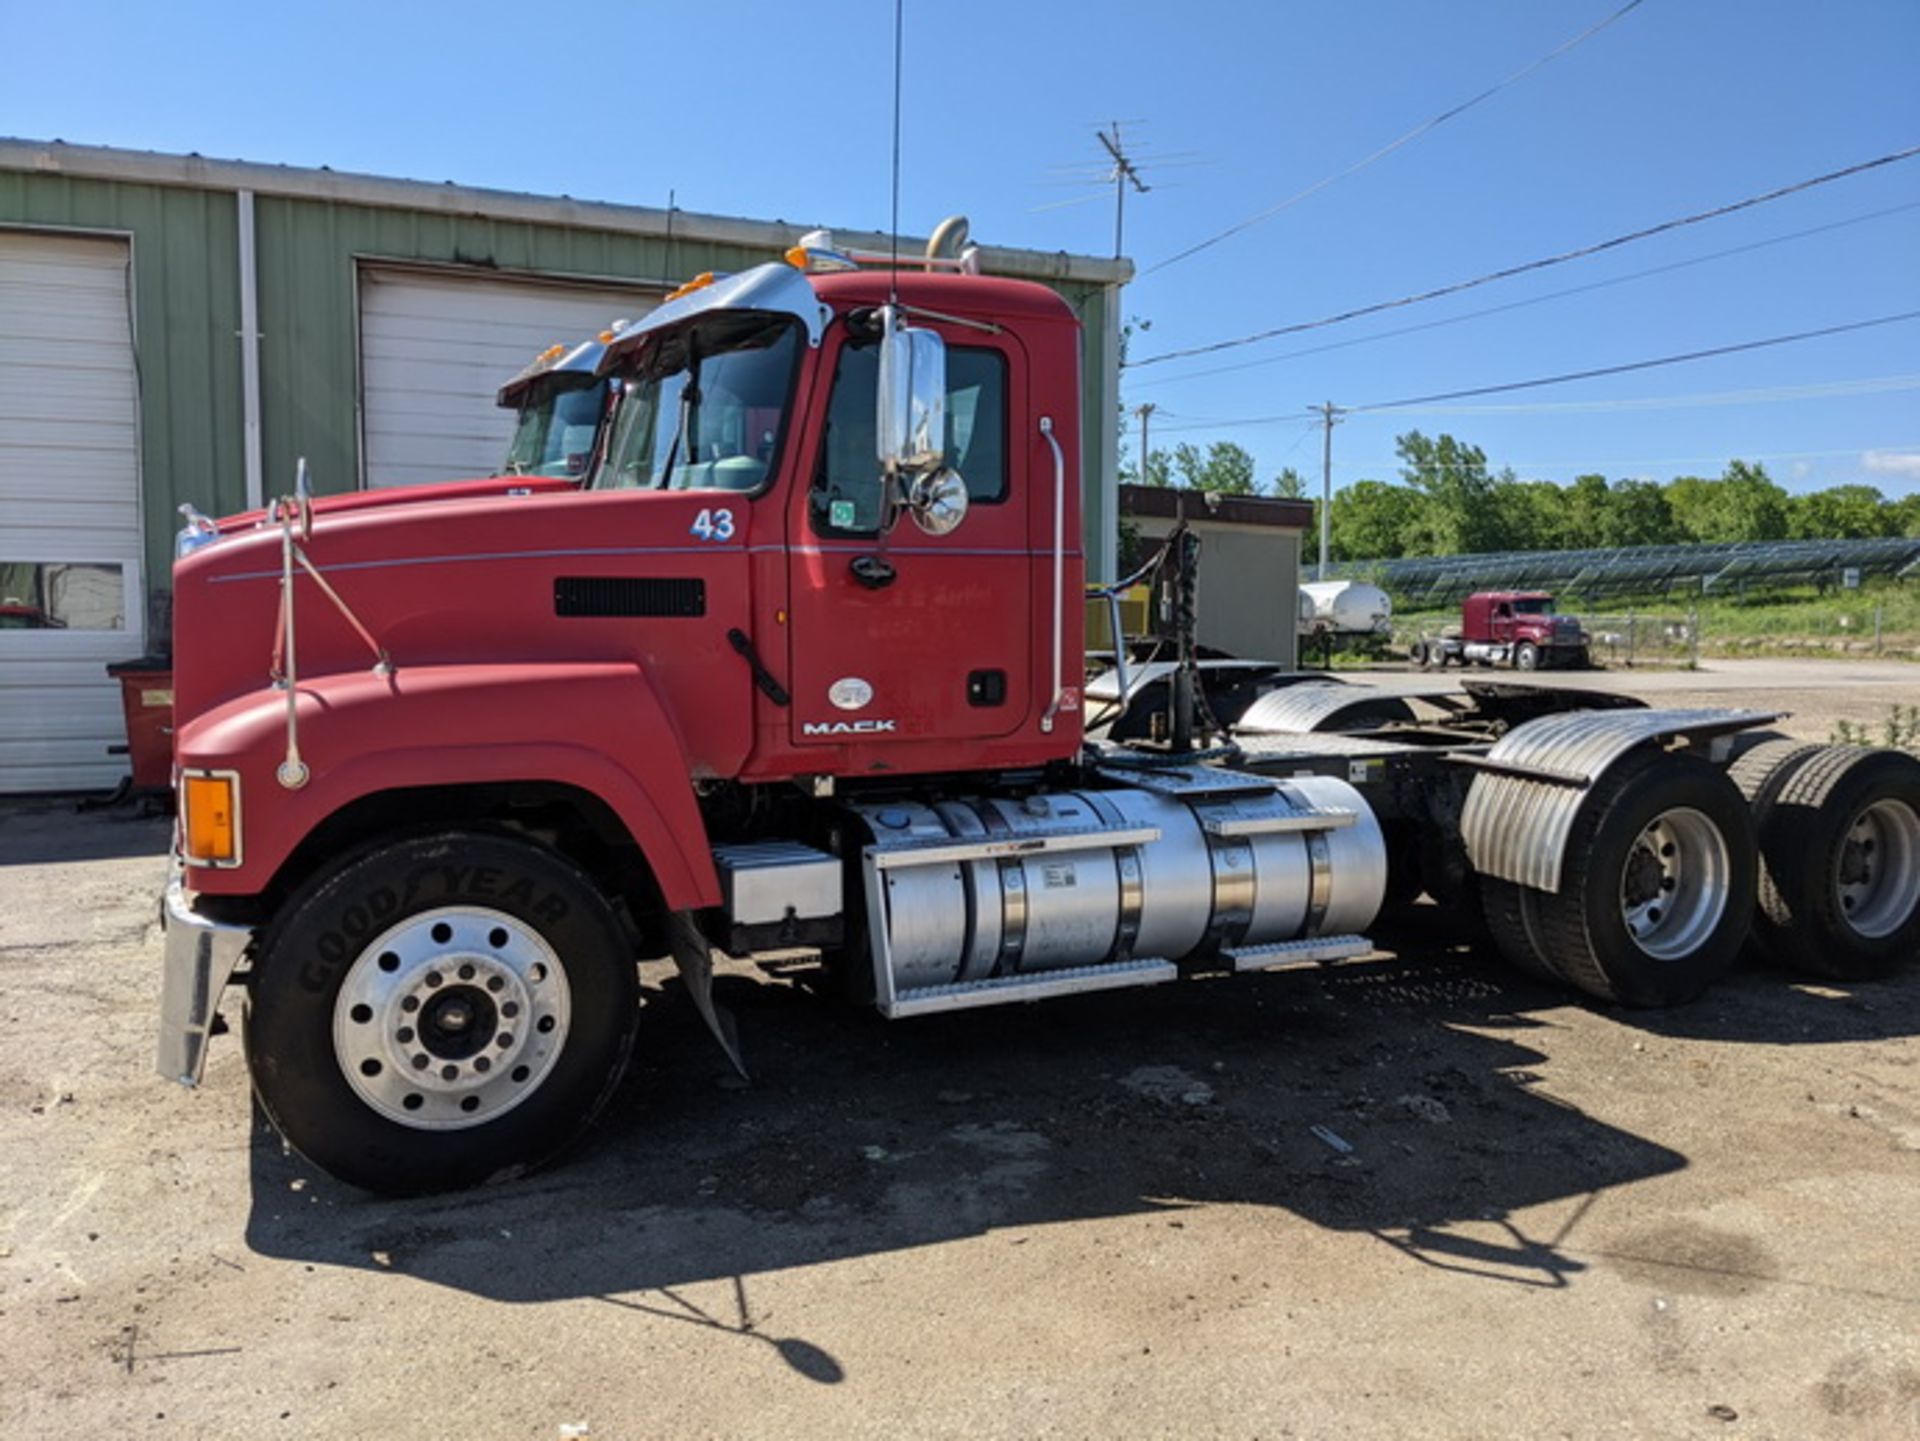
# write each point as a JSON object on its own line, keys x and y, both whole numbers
{"x": 1037, "y": 986}
{"x": 1293, "y": 953}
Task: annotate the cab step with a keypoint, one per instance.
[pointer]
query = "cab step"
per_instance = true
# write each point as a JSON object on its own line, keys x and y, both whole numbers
{"x": 1035, "y": 986}
{"x": 1313, "y": 950}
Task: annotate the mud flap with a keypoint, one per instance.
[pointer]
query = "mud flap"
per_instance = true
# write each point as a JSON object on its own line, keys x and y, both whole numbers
{"x": 694, "y": 956}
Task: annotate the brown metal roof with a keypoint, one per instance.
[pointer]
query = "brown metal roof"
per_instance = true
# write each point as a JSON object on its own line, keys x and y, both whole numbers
{"x": 1166, "y": 503}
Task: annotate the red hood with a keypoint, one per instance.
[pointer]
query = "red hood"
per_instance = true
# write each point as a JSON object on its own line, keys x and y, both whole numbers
{"x": 412, "y": 494}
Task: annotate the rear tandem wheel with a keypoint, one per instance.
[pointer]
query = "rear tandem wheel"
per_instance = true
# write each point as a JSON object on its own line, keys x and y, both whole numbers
{"x": 1657, "y": 890}
{"x": 1839, "y": 830}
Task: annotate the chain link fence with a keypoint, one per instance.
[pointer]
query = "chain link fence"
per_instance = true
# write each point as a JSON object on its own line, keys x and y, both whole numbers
{"x": 1671, "y": 636}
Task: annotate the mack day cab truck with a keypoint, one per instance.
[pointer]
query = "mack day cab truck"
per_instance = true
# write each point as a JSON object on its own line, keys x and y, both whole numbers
{"x": 1515, "y": 628}
{"x": 800, "y": 666}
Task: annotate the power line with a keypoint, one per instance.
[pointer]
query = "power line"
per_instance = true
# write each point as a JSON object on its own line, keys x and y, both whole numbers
{"x": 1819, "y": 390}
{"x": 1530, "y": 300}
{"x": 1561, "y": 259}
{"x": 1824, "y": 390}
{"x": 1295, "y": 415}
{"x": 1598, "y": 371}
{"x": 1589, "y": 465}
{"x": 1393, "y": 145}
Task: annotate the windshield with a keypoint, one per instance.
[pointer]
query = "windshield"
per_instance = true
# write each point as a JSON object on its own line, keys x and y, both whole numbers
{"x": 1533, "y": 607}
{"x": 707, "y": 409}
{"x": 559, "y": 422}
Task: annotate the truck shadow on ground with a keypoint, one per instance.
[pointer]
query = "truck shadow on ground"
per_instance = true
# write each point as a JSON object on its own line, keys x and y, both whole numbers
{"x": 1397, "y": 1097}
{"x": 40, "y": 830}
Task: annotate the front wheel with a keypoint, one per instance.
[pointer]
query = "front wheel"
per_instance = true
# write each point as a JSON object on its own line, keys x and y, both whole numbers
{"x": 1527, "y": 656}
{"x": 440, "y": 1012}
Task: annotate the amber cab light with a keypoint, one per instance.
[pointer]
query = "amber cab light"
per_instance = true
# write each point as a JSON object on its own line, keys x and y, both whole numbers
{"x": 210, "y": 818}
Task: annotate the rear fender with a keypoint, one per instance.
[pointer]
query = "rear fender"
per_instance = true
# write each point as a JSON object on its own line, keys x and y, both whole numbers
{"x": 598, "y": 726}
{"x": 1521, "y": 808}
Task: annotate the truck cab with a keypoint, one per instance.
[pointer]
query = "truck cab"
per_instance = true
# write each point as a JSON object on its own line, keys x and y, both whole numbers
{"x": 1517, "y": 628}
{"x": 797, "y": 668}
{"x": 563, "y": 405}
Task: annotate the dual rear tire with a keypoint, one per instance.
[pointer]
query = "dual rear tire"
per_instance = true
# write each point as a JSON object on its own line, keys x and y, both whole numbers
{"x": 1839, "y": 831}
{"x": 1658, "y": 884}
{"x": 1671, "y": 863}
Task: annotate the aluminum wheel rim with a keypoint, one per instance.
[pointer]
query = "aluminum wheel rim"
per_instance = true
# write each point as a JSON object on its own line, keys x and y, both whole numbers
{"x": 451, "y": 1018}
{"x": 1878, "y": 878}
{"x": 1674, "y": 887}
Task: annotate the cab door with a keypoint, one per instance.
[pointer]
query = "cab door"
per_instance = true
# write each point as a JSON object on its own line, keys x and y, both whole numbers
{"x": 898, "y": 636}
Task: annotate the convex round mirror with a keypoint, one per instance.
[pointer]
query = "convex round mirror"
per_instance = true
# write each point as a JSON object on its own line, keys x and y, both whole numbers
{"x": 937, "y": 502}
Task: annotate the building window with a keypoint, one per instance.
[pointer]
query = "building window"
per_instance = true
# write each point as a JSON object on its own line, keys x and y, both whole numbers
{"x": 62, "y": 595}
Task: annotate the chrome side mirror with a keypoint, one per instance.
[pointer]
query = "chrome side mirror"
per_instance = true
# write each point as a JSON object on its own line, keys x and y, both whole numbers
{"x": 911, "y": 425}
{"x": 937, "y": 501}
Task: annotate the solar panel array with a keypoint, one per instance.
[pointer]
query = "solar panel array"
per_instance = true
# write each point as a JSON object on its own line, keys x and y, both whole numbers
{"x": 1649, "y": 570}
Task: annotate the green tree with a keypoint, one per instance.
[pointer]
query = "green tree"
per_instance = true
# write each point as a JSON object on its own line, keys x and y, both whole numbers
{"x": 1756, "y": 506}
{"x": 1460, "y": 516}
{"x": 1743, "y": 504}
{"x": 1589, "y": 507}
{"x": 1842, "y": 512}
{"x": 1374, "y": 520}
{"x": 1638, "y": 514}
{"x": 1289, "y": 484}
{"x": 1223, "y": 467}
{"x": 1908, "y": 512}
{"x": 1535, "y": 515}
{"x": 1690, "y": 500}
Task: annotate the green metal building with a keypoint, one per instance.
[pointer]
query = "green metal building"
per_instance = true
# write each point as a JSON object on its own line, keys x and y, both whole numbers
{"x": 179, "y": 330}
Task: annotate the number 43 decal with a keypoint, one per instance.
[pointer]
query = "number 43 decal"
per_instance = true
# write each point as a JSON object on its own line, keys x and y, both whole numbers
{"x": 713, "y": 525}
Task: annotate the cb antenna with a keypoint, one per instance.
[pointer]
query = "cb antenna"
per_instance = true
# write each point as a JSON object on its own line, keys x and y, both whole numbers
{"x": 893, "y": 272}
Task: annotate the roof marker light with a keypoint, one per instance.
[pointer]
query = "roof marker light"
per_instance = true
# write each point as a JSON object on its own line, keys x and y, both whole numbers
{"x": 699, "y": 282}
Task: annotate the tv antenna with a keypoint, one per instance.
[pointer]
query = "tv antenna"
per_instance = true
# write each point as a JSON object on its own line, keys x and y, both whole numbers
{"x": 1123, "y": 174}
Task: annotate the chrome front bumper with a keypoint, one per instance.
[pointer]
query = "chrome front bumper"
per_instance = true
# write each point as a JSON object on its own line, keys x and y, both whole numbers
{"x": 201, "y": 957}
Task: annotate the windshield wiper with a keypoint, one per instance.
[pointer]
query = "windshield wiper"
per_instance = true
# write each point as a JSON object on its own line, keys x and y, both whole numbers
{"x": 689, "y": 399}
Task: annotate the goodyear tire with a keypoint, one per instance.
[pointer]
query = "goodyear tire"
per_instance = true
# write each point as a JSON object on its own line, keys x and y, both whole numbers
{"x": 1658, "y": 884}
{"x": 1839, "y": 888}
{"x": 440, "y": 1012}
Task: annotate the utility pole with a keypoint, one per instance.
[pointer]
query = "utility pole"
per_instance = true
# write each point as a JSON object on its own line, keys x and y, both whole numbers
{"x": 1124, "y": 173}
{"x": 1144, "y": 412}
{"x": 1330, "y": 416}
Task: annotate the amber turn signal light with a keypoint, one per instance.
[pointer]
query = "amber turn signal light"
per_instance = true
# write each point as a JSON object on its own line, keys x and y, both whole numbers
{"x": 210, "y": 819}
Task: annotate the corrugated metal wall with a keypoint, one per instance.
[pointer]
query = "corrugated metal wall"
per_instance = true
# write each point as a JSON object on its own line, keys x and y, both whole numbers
{"x": 186, "y": 316}
{"x": 187, "y": 321}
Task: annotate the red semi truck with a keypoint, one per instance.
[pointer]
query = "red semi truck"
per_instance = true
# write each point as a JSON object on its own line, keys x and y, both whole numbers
{"x": 1515, "y": 628}
{"x": 800, "y": 666}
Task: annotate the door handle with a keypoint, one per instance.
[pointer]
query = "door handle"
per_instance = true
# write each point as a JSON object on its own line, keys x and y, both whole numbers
{"x": 872, "y": 571}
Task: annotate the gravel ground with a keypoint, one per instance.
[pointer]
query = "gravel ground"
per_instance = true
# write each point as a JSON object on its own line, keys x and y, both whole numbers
{"x": 1518, "y": 1215}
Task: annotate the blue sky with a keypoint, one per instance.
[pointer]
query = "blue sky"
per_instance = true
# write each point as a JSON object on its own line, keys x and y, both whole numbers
{"x": 781, "y": 111}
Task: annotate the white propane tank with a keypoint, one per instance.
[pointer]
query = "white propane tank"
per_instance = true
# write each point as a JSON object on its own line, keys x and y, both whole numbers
{"x": 1344, "y": 607}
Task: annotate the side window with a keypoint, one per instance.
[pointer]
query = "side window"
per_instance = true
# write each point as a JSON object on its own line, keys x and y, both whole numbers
{"x": 845, "y": 497}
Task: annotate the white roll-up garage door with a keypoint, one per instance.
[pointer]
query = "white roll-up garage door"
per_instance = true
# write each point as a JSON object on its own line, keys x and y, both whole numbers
{"x": 71, "y": 597}
{"x": 434, "y": 351}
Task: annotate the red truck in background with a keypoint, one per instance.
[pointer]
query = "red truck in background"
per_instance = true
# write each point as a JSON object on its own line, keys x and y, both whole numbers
{"x": 798, "y": 667}
{"x": 1515, "y": 628}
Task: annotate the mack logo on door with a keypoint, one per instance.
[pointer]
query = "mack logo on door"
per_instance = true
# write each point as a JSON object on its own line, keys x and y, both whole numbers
{"x": 849, "y": 728}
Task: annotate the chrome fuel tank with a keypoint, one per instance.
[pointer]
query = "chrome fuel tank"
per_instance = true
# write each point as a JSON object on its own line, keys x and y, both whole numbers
{"x": 995, "y": 887}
